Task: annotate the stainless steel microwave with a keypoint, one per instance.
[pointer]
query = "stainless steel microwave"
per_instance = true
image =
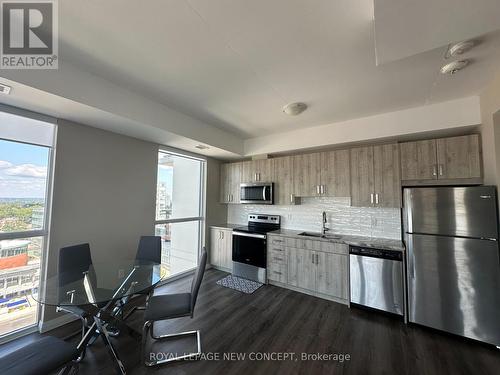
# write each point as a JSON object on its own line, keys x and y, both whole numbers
{"x": 257, "y": 193}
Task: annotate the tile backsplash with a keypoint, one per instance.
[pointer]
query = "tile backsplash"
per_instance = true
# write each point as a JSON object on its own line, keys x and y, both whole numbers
{"x": 342, "y": 218}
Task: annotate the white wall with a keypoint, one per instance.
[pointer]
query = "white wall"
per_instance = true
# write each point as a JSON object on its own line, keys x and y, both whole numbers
{"x": 490, "y": 104}
{"x": 104, "y": 193}
{"x": 430, "y": 118}
{"x": 342, "y": 218}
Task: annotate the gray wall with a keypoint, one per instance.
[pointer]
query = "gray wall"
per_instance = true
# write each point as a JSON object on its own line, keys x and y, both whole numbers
{"x": 216, "y": 213}
{"x": 104, "y": 193}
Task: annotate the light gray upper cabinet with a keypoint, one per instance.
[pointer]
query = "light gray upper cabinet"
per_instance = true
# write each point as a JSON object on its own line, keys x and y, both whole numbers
{"x": 307, "y": 175}
{"x": 257, "y": 170}
{"x": 283, "y": 181}
{"x": 322, "y": 174}
{"x": 335, "y": 173}
{"x": 230, "y": 178}
{"x": 452, "y": 160}
{"x": 362, "y": 178}
{"x": 459, "y": 157}
{"x": 375, "y": 178}
{"x": 419, "y": 160}
{"x": 387, "y": 179}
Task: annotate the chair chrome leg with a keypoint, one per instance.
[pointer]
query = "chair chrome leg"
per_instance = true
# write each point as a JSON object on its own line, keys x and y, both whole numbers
{"x": 196, "y": 355}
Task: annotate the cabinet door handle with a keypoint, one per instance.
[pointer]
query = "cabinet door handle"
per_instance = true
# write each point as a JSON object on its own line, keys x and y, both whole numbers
{"x": 278, "y": 259}
{"x": 371, "y": 198}
{"x": 434, "y": 170}
{"x": 275, "y": 249}
{"x": 277, "y": 272}
{"x": 312, "y": 258}
{"x": 440, "y": 169}
{"x": 321, "y": 191}
{"x": 222, "y": 233}
{"x": 376, "y": 198}
{"x": 317, "y": 259}
{"x": 317, "y": 189}
{"x": 291, "y": 198}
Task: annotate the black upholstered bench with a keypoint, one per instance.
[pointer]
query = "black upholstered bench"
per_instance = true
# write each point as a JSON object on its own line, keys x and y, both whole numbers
{"x": 41, "y": 357}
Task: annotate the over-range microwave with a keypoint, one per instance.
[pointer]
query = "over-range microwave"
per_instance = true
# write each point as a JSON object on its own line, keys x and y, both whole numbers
{"x": 257, "y": 193}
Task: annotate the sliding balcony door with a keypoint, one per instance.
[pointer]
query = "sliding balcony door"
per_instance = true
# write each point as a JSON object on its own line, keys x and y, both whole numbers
{"x": 25, "y": 165}
{"x": 179, "y": 211}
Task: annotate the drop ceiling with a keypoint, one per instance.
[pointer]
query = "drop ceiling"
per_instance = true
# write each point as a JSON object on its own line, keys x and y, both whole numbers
{"x": 235, "y": 63}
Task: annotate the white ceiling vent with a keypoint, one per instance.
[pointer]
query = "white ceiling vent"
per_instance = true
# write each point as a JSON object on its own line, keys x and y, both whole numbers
{"x": 4, "y": 89}
{"x": 454, "y": 66}
{"x": 460, "y": 48}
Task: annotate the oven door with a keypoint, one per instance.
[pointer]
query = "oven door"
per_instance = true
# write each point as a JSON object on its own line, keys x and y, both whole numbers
{"x": 249, "y": 248}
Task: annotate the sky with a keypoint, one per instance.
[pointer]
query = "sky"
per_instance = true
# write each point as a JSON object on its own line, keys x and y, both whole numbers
{"x": 23, "y": 170}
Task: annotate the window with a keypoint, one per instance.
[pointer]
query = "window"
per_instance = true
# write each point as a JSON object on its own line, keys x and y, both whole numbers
{"x": 25, "y": 161}
{"x": 179, "y": 211}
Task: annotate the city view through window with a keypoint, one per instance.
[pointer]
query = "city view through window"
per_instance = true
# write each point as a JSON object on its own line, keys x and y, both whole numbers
{"x": 178, "y": 211}
{"x": 23, "y": 186}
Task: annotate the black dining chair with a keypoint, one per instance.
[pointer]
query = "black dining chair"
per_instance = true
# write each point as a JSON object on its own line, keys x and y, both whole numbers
{"x": 171, "y": 306}
{"x": 73, "y": 262}
{"x": 44, "y": 356}
{"x": 149, "y": 250}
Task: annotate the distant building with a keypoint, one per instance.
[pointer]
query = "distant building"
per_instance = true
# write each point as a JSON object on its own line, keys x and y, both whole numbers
{"x": 18, "y": 273}
{"x": 37, "y": 217}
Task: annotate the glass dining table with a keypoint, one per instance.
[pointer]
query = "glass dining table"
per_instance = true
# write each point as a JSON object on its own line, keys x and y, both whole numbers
{"x": 98, "y": 295}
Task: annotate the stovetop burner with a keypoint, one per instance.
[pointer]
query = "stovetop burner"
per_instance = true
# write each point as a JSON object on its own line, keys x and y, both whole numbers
{"x": 260, "y": 224}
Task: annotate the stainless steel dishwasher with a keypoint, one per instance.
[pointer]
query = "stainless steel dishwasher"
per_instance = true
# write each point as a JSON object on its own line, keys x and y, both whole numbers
{"x": 376, "y": 278}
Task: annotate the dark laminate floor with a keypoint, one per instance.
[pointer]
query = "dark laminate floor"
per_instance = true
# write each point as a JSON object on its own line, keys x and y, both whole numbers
{"x": 279, "y": 320}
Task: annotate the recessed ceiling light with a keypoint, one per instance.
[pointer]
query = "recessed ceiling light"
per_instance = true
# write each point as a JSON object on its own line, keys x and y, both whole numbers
{"x": 293, "y": 109}
{"x": 4, "y": 89}
{"x": 460, "y": 48}
{"x": 202, "y": 147}
{"x": 454, "y": 66}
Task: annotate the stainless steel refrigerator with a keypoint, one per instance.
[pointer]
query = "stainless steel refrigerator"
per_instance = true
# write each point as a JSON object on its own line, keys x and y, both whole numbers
{"x": 453, "y": 260}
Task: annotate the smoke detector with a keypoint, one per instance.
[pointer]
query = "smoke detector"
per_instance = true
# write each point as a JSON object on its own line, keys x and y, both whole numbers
{"x": 460, "y": 48}
{"x": 4, "y": 89}
{"x": 294, "y": 109}
{"x": 454, "y": 66}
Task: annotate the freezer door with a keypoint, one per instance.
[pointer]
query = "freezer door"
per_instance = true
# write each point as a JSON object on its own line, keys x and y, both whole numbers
{"x": 454, "y": 285}
{"x": 451, "y": 211}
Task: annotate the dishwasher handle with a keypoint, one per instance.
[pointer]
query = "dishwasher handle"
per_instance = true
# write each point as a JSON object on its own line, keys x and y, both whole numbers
{"x": 376, "y": 253}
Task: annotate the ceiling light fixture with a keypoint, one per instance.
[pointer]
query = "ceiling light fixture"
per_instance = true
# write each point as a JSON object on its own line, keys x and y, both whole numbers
{"x": 460, "y": 48}
{"x": 4, "y": 89}
{"x": 293, "y": 109}
{"x": 454, "y": 66}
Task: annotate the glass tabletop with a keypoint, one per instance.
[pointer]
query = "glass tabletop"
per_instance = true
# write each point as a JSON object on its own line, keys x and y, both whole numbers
{"x": 101, "y": 283}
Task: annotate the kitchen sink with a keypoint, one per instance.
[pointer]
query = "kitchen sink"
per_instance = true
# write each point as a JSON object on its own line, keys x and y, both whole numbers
{"x": 319, "y": 235}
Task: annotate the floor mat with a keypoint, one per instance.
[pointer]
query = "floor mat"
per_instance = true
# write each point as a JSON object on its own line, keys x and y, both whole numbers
{"x": 240, "y": 284}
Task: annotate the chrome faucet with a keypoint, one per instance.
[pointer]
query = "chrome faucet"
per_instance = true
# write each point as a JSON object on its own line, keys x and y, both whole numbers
{"x": 324, "y": 229}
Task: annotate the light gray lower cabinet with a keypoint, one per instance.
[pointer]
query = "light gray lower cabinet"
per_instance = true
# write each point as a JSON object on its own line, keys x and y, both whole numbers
{"x": 302, "y": 268}
{"x": 221, "y": 247}
{"x": 331, "y": 274}
{"x": 316, "y": 267}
